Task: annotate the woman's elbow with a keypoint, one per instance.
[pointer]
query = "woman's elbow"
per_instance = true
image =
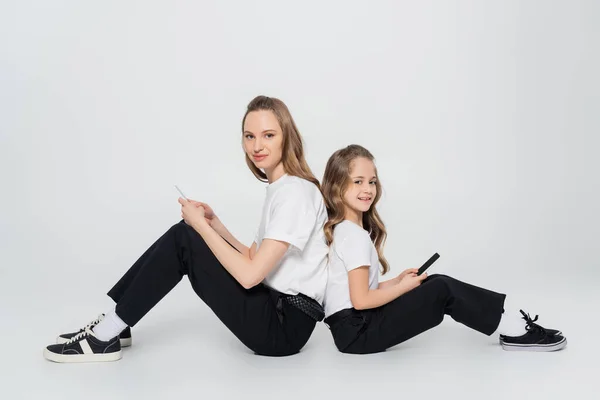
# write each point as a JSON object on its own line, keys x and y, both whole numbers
{"x": 248, "y": 282}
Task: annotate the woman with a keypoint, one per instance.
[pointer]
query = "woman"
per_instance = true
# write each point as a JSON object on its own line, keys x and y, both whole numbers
{"x": 269, "y": 294}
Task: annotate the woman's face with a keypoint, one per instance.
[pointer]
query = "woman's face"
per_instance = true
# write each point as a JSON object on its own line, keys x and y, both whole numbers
{"x": 362, "y": 189}
{"x": 263, "y": 139}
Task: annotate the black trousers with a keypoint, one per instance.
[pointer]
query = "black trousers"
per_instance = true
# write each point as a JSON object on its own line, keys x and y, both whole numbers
{"x": 255, "y": 316}
{"x": 375, "y": 330}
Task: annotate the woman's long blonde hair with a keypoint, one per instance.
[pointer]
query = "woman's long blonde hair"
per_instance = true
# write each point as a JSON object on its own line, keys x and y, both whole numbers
{"x": 292, "y": 154}
{"x": 336, "y": 180}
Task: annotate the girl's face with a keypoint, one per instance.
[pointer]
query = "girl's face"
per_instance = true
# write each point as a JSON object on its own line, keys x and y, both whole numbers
{"x": 361, "y": 191}
{"x": 263, "y": 139}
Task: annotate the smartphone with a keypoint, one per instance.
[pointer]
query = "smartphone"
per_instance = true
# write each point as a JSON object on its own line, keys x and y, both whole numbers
{"x": 428, "y": 263}
{"x": 182, "y": 195}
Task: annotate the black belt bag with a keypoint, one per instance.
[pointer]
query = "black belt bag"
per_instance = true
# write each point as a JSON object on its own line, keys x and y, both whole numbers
{"x": 307, "y": 305}
{"x": 302, "y": 302}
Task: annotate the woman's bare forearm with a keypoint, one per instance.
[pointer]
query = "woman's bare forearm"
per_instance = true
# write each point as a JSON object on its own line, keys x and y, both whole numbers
{"x": 218, "y": 226}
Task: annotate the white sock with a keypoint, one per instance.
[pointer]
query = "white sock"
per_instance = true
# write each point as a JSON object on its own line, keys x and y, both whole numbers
{"x": 512, "y": 323}
{"x": 109, "y": 327}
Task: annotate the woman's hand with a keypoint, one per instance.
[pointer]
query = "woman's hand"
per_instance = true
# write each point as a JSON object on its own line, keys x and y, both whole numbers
{"x": 209, "y": 214}
{"x": 192, "y": 214}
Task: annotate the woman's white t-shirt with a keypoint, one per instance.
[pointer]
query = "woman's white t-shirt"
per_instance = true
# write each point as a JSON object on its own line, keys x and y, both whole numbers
{"x": 351, "y": 248}
{"x": 294, "y": 212}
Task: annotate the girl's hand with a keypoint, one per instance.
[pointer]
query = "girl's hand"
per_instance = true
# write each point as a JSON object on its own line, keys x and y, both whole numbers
{"x": 411, "y": 281}
{"x": 192, "y": 214}
{"x": 406, "y": 272}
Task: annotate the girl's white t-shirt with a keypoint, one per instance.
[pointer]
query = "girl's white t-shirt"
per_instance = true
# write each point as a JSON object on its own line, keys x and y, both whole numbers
{"x": 351, "y": 248}
{"x": 294, "y": 212}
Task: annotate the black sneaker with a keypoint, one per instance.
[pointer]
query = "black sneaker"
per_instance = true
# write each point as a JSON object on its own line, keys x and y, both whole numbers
{"x": 125, "y": 336}
{"x": 537, "y": 338}
{"x": 84, "y": 347}
{"x": 530, "y": 323}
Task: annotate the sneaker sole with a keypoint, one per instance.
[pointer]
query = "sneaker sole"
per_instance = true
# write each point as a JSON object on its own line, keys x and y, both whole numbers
{"x": 559, "y": 333}
{"x": 124, "y": 342}
{"x": 537, "y": 347}
{"x": 80, "y": 358}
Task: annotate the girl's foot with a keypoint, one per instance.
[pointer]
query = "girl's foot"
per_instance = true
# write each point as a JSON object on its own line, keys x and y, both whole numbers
{"x": 537, "y": 338}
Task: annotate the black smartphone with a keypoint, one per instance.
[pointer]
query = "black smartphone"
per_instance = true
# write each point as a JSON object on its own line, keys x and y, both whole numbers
{"x": 428, "y": 263}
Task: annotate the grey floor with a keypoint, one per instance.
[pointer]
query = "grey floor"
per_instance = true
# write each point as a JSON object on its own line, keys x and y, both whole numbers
{"x": 181, "y": 350}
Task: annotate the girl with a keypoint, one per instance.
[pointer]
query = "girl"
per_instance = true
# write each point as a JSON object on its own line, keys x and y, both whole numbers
{"x": 368, "y": 316}
{"x": 269, "y": 295}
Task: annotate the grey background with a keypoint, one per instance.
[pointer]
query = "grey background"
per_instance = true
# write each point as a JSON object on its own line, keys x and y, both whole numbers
{"x": 483, "y": 118}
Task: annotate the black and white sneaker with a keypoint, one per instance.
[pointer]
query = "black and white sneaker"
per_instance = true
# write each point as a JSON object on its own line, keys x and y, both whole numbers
{"x": 84, "y": 347}
{"x": 125, "y": 336}
{"x": 537, "y": 338}
{"x": 530, "y": 323}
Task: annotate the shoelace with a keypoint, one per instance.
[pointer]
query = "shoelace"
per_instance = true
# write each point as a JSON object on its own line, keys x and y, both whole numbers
{"x": 530, "y": 323}
{"x": 93, "y": 323}
{"x": 80, "y": 335}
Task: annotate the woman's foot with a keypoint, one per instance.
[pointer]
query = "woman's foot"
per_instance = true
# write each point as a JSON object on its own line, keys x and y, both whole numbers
{"x": 537, "y": 338}
{"x": 84, "y": 347}
{"x": 125, "y": 336}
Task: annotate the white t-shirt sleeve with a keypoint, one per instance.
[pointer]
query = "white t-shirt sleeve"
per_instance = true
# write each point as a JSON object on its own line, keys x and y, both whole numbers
{"x": 353, "y": 248}
{"x": 292, "y": 217}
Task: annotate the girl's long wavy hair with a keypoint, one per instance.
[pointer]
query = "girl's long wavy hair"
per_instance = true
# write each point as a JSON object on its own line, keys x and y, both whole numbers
{"x": 292, "y": 154}
{"x": 336, "y": 181}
